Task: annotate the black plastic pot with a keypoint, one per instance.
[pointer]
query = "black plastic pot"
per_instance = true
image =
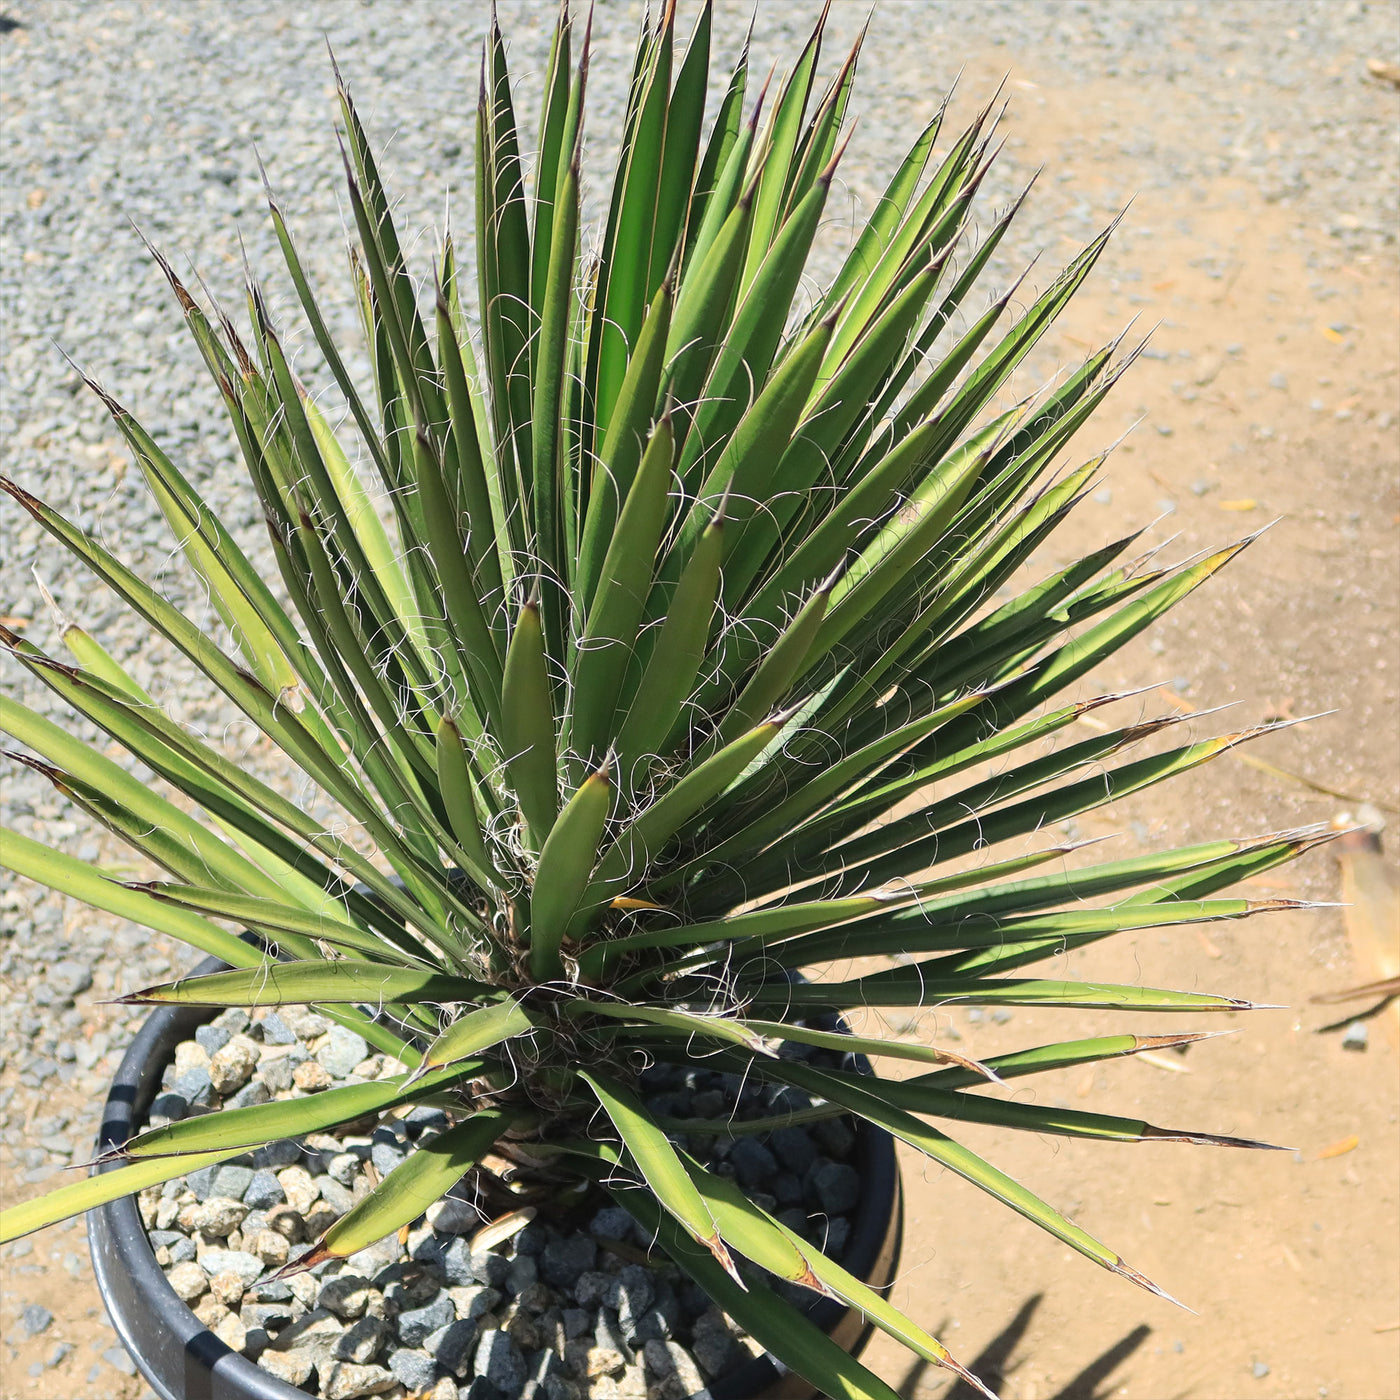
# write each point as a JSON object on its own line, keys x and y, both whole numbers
{"x": 183, "y": 1360}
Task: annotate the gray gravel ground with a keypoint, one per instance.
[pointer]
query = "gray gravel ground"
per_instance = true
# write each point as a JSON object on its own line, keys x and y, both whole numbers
{"x": 150, "y": 112}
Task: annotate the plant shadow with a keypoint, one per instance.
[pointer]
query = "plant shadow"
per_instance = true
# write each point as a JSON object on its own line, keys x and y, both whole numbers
{"x": 994, "y": 1363}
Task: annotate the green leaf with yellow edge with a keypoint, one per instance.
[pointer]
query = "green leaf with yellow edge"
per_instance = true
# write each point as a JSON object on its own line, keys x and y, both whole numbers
{"x": 619, "y": 599}
{"x": 425, "y": 1176}
{"x": 659, "y": 1163}
{"x": 771, "y": 1244}
{"x": 94, "y": 1191}
{"x": 298, "y": 983}
{"x": 779, "y": 1328}
{"x": 478, "y": 1030}
{"x": 527, "y": 725}
{"x": 266, "y": 1122}
{"x": 565, "y": 865}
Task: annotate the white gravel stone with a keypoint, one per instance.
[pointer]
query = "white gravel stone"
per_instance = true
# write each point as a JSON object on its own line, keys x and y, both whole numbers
{"x": 218, "y": 1217}
{"x": 294, "y": 1367}
{"x": 231, "y": 1332}
{"x": 248, "y": 1267}
{"x": 227, "y": 1287}
{"x": 271, "y": 1248}
{"x": 188, "y": 1280}
{"x": 300, "y": 1187}
{"x": 347, "y": 1381}
{"x": 232, "y": 1067}
{"x": 190, "y": 1055}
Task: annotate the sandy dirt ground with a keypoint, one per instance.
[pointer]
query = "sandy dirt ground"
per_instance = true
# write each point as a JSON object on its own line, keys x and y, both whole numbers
{"x": 1291, "y": 1260}
{"x": 1267, "y": 400}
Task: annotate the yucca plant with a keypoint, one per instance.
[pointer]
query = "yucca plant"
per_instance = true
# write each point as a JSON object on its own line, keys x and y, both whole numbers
{"x": 664, "y": 655}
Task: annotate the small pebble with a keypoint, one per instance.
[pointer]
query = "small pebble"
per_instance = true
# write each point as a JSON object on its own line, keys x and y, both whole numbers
{"x": 347, "y": 1381}
{"x": 35, "y": 1319}
{"x": 1357, "y": 1036}
{"x": 275, "y": 1031}
{"x": 415, "y": 1324}
{"x": 311, "y": 1076}
{"x": 361, "y": 1341}
{"x": 294, "y": 1367}
{"x": 346, "y": 1295}
{"x": 499, "y": 1361}
{"x": 188, "y": 1280}
{"x": 415, "y": 1369}
{"x": 117, "y": 1358}
{"x": 263, "y": 1191}
{"x": 212, "y": 1038}
{"x": 450, "y": 1216}
{"x": 342, "y": 1051}
{"x": 232, "y": 1067}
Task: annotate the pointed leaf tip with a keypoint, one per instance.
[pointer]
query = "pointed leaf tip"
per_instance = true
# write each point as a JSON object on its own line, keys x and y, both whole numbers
{"x": 1136, "y": 1276}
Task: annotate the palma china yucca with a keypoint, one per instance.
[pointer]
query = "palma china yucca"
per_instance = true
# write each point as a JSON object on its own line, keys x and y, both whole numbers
{"x": 647, "y": 632}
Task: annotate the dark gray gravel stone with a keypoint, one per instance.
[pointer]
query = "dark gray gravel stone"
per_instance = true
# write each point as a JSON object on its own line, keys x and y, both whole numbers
{"x": 232, "y": 1180}
{"x": 838, "y": 1231}
{"x": 275, "y": 1031}
{"x": 342, "y": 1051}
{"x": 425, "y": 1117}
{"x": 416, "y": 1324}
{"x": 486, "y": 1267}
{"x": 276, "y": 1071}
{"x": 69, "y": 977}
{"x": 212, "y": 1038}
{"x": 415, "y": 1369}
{"x": 523, "y": 1272}
{"x": 170, "y": 1105}
{"x": 632, "y": 1294}
{"x": 793, "y": 1147}
{"x": 254, "y": 1091}
{"x": 753, "y": 1162}
{"x": 346, "y": 1295}
{"x": 479, "y": 1389}
{"x": 264, "y": 1190}
{"x": 35, "y": 1319}
{"x": 453, "y": 1257}
{"x": 452, "y": 1345}
{"x": 285, "y": 1152}
{"x": 611, "y": 1223}
{"x": 386, "y": 1157}
{"x": 499, "y": 1361}
{"x": 837, "y": 1187}
{"x": 262, "y": 1313}
{"x": 533, "y": 1238}
{"x": 592, "y": 1287}
{"x": 564, "y": 1260}
{"x": 786, "y": 1188}
{"x": 195, "y": 1087}
{"x": 362, "y": 1341}
{"x": 836, "y": 1137}
{"x": 201, "y": 1182}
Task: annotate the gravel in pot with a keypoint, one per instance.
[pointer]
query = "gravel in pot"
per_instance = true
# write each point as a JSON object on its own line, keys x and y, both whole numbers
{"x": 562, "y": 1303}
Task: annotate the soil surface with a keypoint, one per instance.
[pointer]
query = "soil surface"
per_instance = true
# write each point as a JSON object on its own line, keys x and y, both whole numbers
{"x": 1261, "y": 245}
